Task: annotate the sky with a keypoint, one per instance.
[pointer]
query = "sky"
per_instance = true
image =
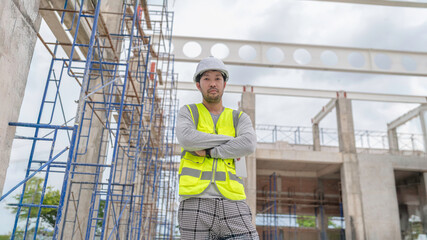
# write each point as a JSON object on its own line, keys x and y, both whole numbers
{"x": 284, "y": 21}
{"x": 314, "y": 23}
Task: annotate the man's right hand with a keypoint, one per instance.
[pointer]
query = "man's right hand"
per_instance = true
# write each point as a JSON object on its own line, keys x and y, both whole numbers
{"x": 201, "y": 153}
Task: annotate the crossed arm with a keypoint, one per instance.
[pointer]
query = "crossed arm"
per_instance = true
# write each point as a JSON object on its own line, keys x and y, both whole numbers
{"x": 221, "y": 146}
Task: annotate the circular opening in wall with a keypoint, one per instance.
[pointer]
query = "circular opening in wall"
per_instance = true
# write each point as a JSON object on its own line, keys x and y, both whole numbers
{"x": 409, "y": 64}
{"x": 247, "y": 53}
{"x": 382, "y": 61}
{"x": 329, "y": 58}
{"x": 274, "y": 55}
{"x": 356, "y": 59}
{"x": 192, "y": 49}
{"x": 220, "y": 51}
{"x": 302, "y": 56}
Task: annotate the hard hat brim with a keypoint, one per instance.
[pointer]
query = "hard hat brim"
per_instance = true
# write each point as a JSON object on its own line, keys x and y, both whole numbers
{"x": 224, "y": 72}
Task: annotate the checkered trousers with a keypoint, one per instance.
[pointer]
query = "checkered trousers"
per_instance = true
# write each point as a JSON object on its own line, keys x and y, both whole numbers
{"x": 215, "y": 218}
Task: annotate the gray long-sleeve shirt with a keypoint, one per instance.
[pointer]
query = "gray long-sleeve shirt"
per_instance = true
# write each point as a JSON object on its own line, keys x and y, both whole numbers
{"x": 222, "y": 146}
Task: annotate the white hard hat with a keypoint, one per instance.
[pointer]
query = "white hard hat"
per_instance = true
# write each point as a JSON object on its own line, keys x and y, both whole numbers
{"x": 213, "y": 64}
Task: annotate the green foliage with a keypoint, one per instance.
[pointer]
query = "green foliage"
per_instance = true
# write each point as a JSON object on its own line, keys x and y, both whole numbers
{"x": 310, "y": 222}
{"x": 306, "y": 221}
{"x": 101, "y": 212}
{"x": 33, "y": 192}
{"x": 4, "y": 237}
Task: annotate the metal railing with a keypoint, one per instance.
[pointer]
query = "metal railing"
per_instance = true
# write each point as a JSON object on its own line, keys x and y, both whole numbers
{"x": 329, "y": 137}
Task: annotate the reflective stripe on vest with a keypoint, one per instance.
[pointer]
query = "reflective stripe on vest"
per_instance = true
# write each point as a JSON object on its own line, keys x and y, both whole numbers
{"x": 196, "y": 173}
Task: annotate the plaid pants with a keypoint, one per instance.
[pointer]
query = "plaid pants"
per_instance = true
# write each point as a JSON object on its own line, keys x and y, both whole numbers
{"x": 215, "y": 218}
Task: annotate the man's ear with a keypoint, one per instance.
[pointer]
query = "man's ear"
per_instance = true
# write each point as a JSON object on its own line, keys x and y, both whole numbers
{"x": 225, "y": 83}
{"x": 198, "y": 86}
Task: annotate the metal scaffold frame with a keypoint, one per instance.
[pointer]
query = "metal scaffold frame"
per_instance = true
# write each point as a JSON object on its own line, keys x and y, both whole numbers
{"x": 270, "y": 219}
{"x": 116, "y": 161}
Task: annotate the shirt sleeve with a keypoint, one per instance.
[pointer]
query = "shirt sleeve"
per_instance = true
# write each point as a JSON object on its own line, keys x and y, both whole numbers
{"x": 242, "y": 145}
{"x": 190, "y": 138}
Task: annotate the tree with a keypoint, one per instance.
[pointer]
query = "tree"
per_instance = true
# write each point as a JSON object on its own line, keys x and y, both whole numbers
{"x": 306, "y": 221}
{"x": 310, "y": 222}
{"x": 32, "y": 195}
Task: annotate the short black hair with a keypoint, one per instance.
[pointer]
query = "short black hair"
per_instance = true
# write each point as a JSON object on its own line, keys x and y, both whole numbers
{"x": 198, "y": 77}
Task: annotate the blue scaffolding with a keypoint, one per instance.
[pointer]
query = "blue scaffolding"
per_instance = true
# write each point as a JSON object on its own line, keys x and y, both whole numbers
{"x": 270, "y": 219}
{"x": 115, "y": 157}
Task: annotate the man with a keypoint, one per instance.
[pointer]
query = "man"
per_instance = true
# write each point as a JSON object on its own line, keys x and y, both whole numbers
{"x": 212, "y": 197}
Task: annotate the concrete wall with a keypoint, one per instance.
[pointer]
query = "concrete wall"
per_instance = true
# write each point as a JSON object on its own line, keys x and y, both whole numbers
{"x": 19, "y": 24}
{"x": 380, "y": 207}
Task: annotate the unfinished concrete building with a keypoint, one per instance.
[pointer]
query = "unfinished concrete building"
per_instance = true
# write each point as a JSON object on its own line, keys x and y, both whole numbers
{"x": 115, "y": 156}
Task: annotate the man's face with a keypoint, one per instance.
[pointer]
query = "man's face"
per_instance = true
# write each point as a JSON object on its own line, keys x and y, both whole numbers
{"x": 211, "y": 85}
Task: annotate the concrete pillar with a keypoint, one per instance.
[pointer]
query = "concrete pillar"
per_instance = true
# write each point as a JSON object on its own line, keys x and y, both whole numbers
{"x": 19, "y": 24}
{"x": 423, "y": 200}
{"x": 393, "y": 142}
{"x": 247, "y": 105}
{"x": 316, "y": 137}
{"x": 347, "y": 142}
{"x": 350, "y": 179}
{"x": 423, "y": 114}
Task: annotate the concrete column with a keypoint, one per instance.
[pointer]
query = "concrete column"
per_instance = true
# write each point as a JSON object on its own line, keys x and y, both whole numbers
{"x": 423, "y": 200}
{"x": 19, "y": 24}
{"x": 316, "y": 137}
{"x": 423, "y": 113}
{"x": 347, "y": 142}
{"x": 350, "y": 179}
{"x": 247, "y": 105}
{"x": 393, "y": 142}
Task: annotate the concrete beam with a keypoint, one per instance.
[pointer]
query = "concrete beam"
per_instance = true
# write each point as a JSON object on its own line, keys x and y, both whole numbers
{"x": 299, "y": 156}
{"x": 304, "y": 174}
{"x": 403, "y": 163}
{"x": 56, "y": 27}
{"x": 312, "y": 62}
{"x": 324, "y": 112}
{"x": 405, "y": 118}
{"x": 333, "y": 168}
{"x": 388, "y": 3}
{"x": 313, "y": 93}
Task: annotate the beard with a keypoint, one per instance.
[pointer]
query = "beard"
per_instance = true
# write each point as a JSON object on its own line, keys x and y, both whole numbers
{"x": 212, "y": 99}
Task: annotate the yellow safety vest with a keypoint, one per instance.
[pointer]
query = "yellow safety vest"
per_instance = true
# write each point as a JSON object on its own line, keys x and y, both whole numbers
{"x": 197, "y": 173}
